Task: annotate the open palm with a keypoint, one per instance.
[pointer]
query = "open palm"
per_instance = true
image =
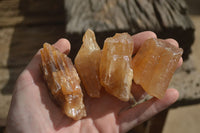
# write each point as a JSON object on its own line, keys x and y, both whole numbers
{"x": 32, "y": 109}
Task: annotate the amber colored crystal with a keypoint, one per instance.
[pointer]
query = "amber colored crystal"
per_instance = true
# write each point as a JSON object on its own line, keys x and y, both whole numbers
{"x": 63, "y": 81}
{"x": 154, "y": 65}
{"x": 87, "y": 64}
{"x": 115, "y": 67}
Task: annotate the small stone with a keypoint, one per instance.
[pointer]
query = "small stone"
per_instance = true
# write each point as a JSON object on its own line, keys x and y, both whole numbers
{"x": 63, "y": 81}
{"x": 115, "y": 67}
{"x": 87, "y": 64}
{"x": 154, "y": 65}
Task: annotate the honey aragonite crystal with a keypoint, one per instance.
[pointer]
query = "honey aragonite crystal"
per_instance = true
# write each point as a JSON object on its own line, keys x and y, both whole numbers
{"x": 63, "y": 81}
{"x": 154, "y": 64}
{"x": 87, "y": 64}
{"x": 115, "y": 67}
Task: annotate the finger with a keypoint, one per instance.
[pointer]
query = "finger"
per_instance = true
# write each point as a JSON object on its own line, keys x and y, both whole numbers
{"x": 146, "y": 110}
{"x": 140, "y": 38}
{"x": 63, "y": 45}
{"x": 172, "y": 41}
{"x": 175, "y": 43}
{"x": 180, "y": 62}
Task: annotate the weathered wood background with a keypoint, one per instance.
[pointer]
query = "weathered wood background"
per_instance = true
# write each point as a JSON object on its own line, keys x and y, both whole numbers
{"x": 26, "y": 24}
{"x": 168, "y": 18}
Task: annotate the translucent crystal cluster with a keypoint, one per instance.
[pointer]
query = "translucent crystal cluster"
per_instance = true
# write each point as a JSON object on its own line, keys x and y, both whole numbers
{"x": 63, "y": 81}
{"x": 154, "y": 64}
{"x": 87, "y": 64}
{"x": 116, "y": 73}
{"x": 111, "y": 68}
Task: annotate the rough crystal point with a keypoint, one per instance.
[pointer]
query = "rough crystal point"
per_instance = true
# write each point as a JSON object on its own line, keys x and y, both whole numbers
{"x": 63, "y": 81}
{"x": 115, "y": 67}
{"x": 87, "y": 64}
{"x": 154, "y": 65}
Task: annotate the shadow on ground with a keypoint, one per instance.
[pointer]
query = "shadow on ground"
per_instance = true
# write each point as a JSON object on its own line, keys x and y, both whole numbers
{"x": 44, "y": 21}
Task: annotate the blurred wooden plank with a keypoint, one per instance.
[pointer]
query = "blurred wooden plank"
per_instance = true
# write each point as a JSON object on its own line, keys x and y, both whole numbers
{"x": 31, "y": 20}
{"x": 18, "y": 45}
{"x": 31, "y": 12}
{"x": 24, "y": 43}
{"x": 31, "y": 7}
{"x": 35, "y": 22}
{"x": 168, "y": 18}
{"x": 129, "y": 15}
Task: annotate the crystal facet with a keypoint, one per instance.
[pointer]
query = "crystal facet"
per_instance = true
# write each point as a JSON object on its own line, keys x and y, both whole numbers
{"x": 154, "y": 65}
{"x": 87, "y": 64}
{"x": 63, "y": 81}
{"x": 115, "y": 67}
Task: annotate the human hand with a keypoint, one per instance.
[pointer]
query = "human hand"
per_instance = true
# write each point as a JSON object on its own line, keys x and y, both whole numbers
{"x": 32, "y": 109}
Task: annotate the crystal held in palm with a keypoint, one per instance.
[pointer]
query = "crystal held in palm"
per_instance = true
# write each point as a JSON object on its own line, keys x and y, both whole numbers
{"x": 63, "y": 82}
{"x": 154, "y": 64}
{"x": 87, "y": 64}
{"x": 115, "y": 67}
